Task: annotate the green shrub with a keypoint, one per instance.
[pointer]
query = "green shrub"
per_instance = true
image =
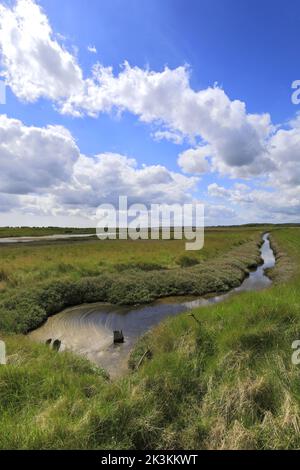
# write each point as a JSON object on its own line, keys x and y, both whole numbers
{"x": 3, "y": 275}
{"x": 143, "y": 266}
{"x": 185, "y": 261}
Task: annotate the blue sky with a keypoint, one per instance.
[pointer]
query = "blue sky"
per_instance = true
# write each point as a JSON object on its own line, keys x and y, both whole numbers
{"x": 248, "y": 48}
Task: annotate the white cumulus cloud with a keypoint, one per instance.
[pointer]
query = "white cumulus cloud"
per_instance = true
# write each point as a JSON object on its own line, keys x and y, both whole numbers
{"x": 195, "y": 160}
{"x": 34, "y": 158}
{"x": 105, "y": 177}
{"x": 43, "y": 171}
{"x": 34, "y": 64}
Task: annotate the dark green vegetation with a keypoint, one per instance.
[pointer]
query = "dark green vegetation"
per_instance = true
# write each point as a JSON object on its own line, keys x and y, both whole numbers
{"x": 224, "y": 381}
{"x": 23, "y": 308}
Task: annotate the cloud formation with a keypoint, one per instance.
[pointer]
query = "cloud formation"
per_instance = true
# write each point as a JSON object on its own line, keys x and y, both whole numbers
{"x": 36, "y": 65}
{"x": 92, "y": 49}
{"x": 195, "y": 160}
{"x": 224, "y": 137}
{"x": 33, "y": 158}
{"x": 257, "y": 203}
{"x": 103, "y": 178}
{"x": 44, "y": 169}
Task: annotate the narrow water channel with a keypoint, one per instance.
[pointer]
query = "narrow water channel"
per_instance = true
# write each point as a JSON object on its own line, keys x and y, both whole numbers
{"x": 88, "y": 329}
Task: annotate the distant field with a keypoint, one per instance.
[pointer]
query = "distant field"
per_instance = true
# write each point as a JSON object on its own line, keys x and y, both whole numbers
{"x": 40, "y": 231}
{"x": 22, "y": 265}
{"x": 44, "y": 231}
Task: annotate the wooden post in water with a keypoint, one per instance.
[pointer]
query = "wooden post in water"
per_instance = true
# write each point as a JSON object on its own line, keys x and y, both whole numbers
{"x": 56, "y": 345}
{"x": 118, "y": 337}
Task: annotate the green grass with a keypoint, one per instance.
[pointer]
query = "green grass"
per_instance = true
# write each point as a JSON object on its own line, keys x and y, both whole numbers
{"x": 225, "y": 381}
{"x": 39, "y": 385}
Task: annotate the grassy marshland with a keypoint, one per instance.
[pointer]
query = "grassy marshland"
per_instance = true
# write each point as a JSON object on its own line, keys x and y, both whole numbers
{"x": 26, "y": 264}
{"x": 40, "y": 280}
{"x": 225, "y": 382}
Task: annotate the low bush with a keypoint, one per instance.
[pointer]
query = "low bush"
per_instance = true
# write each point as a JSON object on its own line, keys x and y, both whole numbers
{"x": 185, "y": 261}
{"x": 141, "y": 265}
{"x": 4, "y": 276}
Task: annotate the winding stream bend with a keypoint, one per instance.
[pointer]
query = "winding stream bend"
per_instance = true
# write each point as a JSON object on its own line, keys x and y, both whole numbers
{"x": 88, "y": 329}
